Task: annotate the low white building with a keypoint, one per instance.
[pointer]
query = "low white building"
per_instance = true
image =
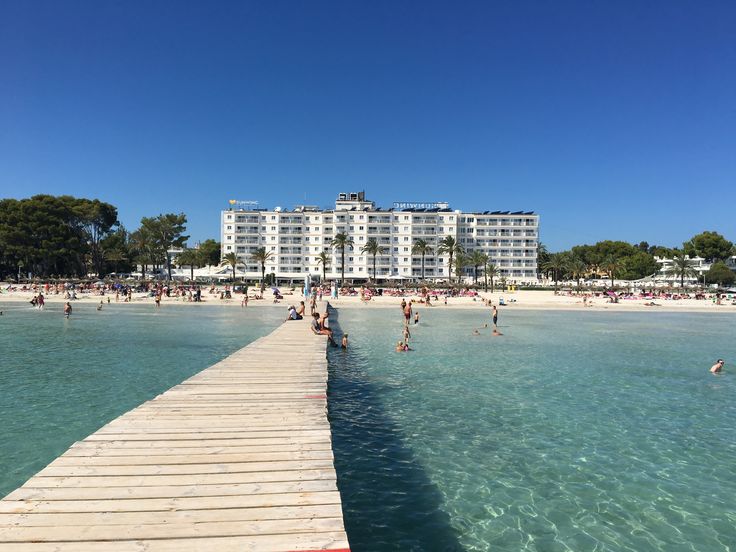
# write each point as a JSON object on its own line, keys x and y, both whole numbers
{"x": 698, "y": 264}
{"x": 296, "y": 237}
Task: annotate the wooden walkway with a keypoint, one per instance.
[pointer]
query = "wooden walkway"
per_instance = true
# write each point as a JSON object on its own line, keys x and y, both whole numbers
{"x": 236, "y": 458}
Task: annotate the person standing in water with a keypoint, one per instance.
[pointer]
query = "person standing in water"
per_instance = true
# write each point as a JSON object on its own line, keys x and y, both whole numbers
{"x": 495, "y": 316}
{"x": 416, "y": 317}
{"x": 67, "y": 310}
{"x": 717, "y": 367}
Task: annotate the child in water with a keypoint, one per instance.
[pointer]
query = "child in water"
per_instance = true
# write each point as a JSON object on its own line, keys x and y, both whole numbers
{"x": 345, "y": 341}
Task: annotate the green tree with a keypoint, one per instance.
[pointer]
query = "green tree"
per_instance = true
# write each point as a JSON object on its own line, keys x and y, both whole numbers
{"x": 542, "y": 257}
{"x": 166, "y": 231}
{"x": 231, "y": 259}
{"x": 261, "y": 256}
{"x": 490, "y": 271}
{"x": 421, "y": 247}
{"x": 556, "y": 266}
{"x": 711, "y": 246}
{"x": 577, "y": 268}
{"x": 638, "y": 265}
{"x": 142, "y": 247}
{"x": 461, "y": 261}
{"x": 209, "y": 251}
{"x": 449, "y": 246}
{"x": 324, "y": 259}
{"x": 682, "y": 267}
{"x": 191, "y": 258}
{"x": 96, "y": 220}
{"x": 612, "y": 265}
{"x": 720, "y": 274}
{"x": 477, "y": 259}
{"x": 117, "y": 251}
{"x": 372, "y": 247}
{"x": 341, "y": 241}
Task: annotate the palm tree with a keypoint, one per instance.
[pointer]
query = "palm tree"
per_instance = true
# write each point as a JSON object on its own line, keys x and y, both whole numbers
{"x": 421, "y": 247}
{"x": 372, "y": 247}
{"x": 477, "y": 258}
{"x": 260, "y": 255}
{"x": 491, "y": 271}
{"x": 461, "y": 261}
{"x": 324, "y": 259}
{"x": 578, "y": 268}
{"x": 341, "y": 241}
{"x": 682, "y": 267}
{"x": 232, "y": 260}
{"x": 555, "y": 265}
{"x": 189, "y": 257}
{"x": 612, "y": 266}
{"x": 142, "y": 245}
{"x": 449, "y": 245}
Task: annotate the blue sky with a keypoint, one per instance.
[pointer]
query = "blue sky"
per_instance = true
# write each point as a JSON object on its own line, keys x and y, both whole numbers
{"x": 611, "y": 119}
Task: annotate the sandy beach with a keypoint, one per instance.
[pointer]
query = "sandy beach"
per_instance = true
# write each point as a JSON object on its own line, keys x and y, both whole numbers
{"x": 514, "y": 300}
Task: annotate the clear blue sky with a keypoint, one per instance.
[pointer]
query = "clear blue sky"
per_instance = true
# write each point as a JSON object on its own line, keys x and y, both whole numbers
{"x": 611, "y": 119}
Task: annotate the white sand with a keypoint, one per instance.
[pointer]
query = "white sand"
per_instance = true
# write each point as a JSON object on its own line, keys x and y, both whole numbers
{"x": 516, "y": 300}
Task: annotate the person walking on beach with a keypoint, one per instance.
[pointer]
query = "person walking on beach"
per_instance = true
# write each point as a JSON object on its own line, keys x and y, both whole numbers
{"x": 717, "y": 367}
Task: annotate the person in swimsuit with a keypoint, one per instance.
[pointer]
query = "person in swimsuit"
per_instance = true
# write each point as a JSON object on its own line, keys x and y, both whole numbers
{"x": 717, "y": 367}
{"x": 495, "y": 316}
{"x": 67, "y": 310}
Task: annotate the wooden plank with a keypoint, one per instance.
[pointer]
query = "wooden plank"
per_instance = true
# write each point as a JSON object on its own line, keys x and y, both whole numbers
{"x": 190, "y": 479}
{"x": 331, "y": 542}
{"x": 178, "y": 516}
{"x": 238, "y": 457}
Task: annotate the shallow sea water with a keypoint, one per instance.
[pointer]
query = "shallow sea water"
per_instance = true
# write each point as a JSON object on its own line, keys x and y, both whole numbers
{"x": 61, "y": 380}
{"x": 574, "y": 431}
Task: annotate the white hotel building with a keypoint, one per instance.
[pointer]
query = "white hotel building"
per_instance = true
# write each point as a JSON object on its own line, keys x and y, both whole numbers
{"x": 296, "y": 237}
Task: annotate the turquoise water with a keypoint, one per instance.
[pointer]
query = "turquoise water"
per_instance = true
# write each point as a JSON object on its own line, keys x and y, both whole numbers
{"x": 61, "y": 380}
{"x": 573, "y": 431}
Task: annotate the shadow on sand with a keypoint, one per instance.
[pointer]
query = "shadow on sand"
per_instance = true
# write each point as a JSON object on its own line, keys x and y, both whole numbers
{"x": 389, "y": 503}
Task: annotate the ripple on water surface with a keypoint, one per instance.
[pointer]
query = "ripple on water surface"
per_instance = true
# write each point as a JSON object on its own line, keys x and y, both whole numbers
{"x": 573, "y": 431}
{"x": 61, "y": 380}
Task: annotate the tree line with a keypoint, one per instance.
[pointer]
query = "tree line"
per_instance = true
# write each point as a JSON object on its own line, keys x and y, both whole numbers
{"x": 621, "y": 260}
{"x": 68, "y": 237}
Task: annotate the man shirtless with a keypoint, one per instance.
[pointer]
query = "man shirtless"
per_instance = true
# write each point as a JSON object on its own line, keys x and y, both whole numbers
{"x": 717, "y": 367}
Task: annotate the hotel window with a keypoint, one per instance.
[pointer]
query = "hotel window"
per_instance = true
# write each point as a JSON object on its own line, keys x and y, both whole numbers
{"x": 229, "y": 227}
{"x": 406, "y": 228}
{"x": 273, "y": 217}
{"x": 406, "y": 218}
{"x": 361, "y": 227}
{"x": 228, "y": 248}
{"x": 406, "y": 259}
{"x": 396, "y": 249}
{"x": 406, "y": 238}
{"x": 273, "y": 229}
{"x": 406, "y": 250}
{"x": 352, "y": 228}
{"x": 229, "y": 217}
{"x": 350, "y": 259}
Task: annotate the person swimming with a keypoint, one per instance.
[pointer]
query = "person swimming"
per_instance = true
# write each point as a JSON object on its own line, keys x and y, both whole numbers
{"x": 344, "y": 343}
{"x": 717, "y": 367}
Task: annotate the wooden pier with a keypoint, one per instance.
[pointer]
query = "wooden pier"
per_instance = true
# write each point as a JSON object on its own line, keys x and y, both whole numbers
{"x": 236, "y": 458}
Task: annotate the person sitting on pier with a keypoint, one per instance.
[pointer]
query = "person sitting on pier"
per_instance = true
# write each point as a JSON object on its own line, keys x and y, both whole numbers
{"x": 293, "y": 314}
{"x": 318, "y": 329}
